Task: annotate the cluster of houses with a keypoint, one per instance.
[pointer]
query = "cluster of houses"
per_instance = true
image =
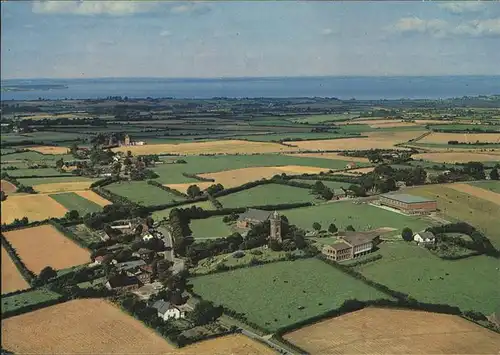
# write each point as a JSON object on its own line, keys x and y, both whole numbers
{"x": 127, "y": 141}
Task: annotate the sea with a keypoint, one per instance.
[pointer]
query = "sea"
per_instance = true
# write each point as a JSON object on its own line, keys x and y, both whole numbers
{"x": 345, "y": 88}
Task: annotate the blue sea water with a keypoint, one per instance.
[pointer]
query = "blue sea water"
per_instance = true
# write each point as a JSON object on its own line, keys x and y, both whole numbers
{"x": 361, "y": 88}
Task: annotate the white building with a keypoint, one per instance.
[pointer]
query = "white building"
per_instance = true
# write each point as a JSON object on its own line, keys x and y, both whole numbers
{"x": 167, "y": 310}
{"x": 147, "y": 236}
{"x": 424, "y": 238}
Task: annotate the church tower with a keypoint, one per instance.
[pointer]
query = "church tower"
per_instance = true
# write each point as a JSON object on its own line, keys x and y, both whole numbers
{"x": 275, "y": 230}
{"x": 127, "y": 139}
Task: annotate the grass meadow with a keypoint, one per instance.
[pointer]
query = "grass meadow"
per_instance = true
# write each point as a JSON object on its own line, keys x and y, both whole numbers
{"x": 142, "y": 193}
{"x": 209, "y": 228}
{"x": 27, "y": 298}
{"x": 72, "y": 201}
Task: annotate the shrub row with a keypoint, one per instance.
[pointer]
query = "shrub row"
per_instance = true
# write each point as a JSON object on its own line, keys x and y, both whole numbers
{"x": 196, "y": 177}
{"x": 28, "y": 275}
{"x": 20, "y": 187}
{"x": 112, "y": 196}
{"x": 17, "y": 292}
{"x": 243, "y": 187}
{"x": 216, "y": 203}
{"x": 166, "y": 188}
{"x": 105, "y": 181}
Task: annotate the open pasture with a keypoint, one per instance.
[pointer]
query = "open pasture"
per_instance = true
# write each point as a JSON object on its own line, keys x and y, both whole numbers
{"x": 36, "y": 207}
{"x": 142, "y": 193}
{"x": 380, "y": 140}
{"x": 333, "y": 156}
{"x": 212, "y": 147}
{"x": 269, "y": 194}
{"x": 466, "y": 127}
{"x": 444, "y": 138}
{"x": 460, "y": 206}
{"x": 7, "y": 187}
{"x": 477, "y": 191}
{"x": 12, "y": 280}
{"x": 73, "y": 201}
{"x": 25, "y": 299}
{"x": 43, "y": 246}
{"x": 26, "y": 173}
{"x": 45, "y": 149}
{"x": 379, "y": 330}
{"x": 471, "y": 284}
{"x": 493, "y": 186}
{"x": 271, "y": 295}
{"x": 209, "y": 228}
{"x": 232, "y": 178}
{"x": 360, "y": 216}
{"x": 459, "y": 157}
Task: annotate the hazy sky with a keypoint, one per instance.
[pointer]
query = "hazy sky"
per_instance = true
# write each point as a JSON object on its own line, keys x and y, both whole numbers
{"x": 71, "y": 39}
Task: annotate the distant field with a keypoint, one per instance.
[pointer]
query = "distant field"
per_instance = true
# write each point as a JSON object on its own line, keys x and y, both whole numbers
{"x": 443, "y": 138}
{"x": 315, "y": 119}
{"x": 333, "y": 156}
{"x": 159, "y": 215}
{"x": 54, "y": 180}
{"x": 270, "y": 295}
{"x": 470, "y": 284}
{"x": 360, "y": 216}
{"x": 72, "y": 201}
{"x": 25, "y": 299}
{"x": 63, "y": 186}
{"x": 172, "y": 173}
{"x": 50, "y": 149}
{"x": 381, "y": 140}
{"x": 212, "y": 147}
{"x": 34, "y": 172}
{"x": 44, "y": 136}
{"x": 478, "y": 191}
{"x": 36, "y": 207}
{"x": 465, "y": 127}
{"x": 232, "y": 178}
{"x": 92, "y": 196}
{"x": 142, "y": 193}
{"x": 269, "y": 194}
{"x": 7, "y": 187}
{"x": 12, "y": 280}
{"x": 493, "y": 186}
{"x": 43, "y": 246}
{"x": 208, "y": 228}
{"x": 379, "y": 331}
{"x": 458, "y": 157}
{"x": 463, "y": 207}
{"x": 277, "y": 137}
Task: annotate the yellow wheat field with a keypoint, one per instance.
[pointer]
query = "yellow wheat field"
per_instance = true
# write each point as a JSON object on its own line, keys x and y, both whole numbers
{"x": 444, "y": 138}
{"x": 43, "y": 246}
{"x": 63, "y": 186}
{"x": 12, "y": 280}
{"x": 212, "y": 147}
{"x": 35, "y": 207}
{"x": 477, "y": 192}
{"x": 237, "y": 177}
{"x": 333, "y": 156}
{"x": 458, "y": 157}
{"x": 355, "y": 172}
{"x": 45, "y": 149}
{"x": 392, "y": 331}
{"x": 92, "y": 196}
{"x": 381, "y": 140}
{"x": 94, "y": 326}
{"x": 7, "y": 187}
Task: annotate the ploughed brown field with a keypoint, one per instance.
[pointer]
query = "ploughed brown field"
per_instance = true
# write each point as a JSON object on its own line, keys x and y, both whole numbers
{"x": 43, "y": 246}
{"x": 393, "y": 331}
{"x": 211, "y": 147}
{"x": 94, "y": 326}
{"x": 50, "y": 149}
{"x": 7, "y": 187}
{"x": 458, "y": 157}
{"x": 477, "y": 192}
{"x": 12, "y": 280}
{"x": 36, "y": 207}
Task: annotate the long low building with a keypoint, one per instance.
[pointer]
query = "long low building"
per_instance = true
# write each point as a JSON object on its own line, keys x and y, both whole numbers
{"x": 351, "y": 245}
{"x": 409, "y": 204}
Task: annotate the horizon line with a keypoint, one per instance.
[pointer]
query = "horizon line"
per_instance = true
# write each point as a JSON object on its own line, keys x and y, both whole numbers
{"x": 255, "y": 77}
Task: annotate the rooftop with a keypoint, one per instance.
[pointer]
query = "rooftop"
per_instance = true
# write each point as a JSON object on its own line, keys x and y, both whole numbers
{"x": 340, "y": 246}
{"x": 407, "y": 198}
{"x": 161, "y": 306}
{"x": 254, "y": 214}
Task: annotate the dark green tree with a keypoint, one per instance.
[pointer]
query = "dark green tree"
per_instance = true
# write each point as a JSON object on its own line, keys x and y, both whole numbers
{"x": 407, "y": 234}
{"x": 316, "y": 226}
{"x": 332, "y": 228}
{"x": 350, "y": 228}
{"x": 193, "y": 191}
{"x": 494, "y": 174}
{"x": 72, "y": 215}
{"x": 46, "y": 274}
{"x": 205, "y": 312}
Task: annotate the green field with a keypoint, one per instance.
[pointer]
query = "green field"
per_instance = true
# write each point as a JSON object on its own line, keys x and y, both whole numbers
{"x": 465, "y": 127}
{"x": 72, "y": 201}
{"x": 315, "y": 119}
{"x": 269, "y": 194}
{"x": 142, "y": 193}
{"x": 28, "y": 298}
{"x": 53, "y": 180}
{"x": 488, "y": 185}
{"x": 459, "y": 206}
{"x": 41, "y": 137}
{"x": 471, "y": 284}
{"x": 276, "y": 137}
{"x": 35, "y": 172}
{"x": 209, "y": 228}
{"x": 172, "y": 173}
{"x": 360, "y": 216}
{"x": 270, "y": 295}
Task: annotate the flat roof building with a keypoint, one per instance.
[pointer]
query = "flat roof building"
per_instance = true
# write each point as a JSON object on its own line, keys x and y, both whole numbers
{"x": 409, "y": 204}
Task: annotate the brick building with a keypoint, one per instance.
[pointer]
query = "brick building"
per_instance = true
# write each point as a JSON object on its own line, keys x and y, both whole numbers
{"x": 409, "y": 204}
{"x": 351, "y": 245}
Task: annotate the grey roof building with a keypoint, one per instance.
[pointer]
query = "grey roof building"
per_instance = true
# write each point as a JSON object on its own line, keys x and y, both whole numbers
{"x": 405, "y": 198}
{"x": 254, "y": 215}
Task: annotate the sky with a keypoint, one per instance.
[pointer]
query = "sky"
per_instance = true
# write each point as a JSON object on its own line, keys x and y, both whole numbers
{"x": 90, "y": 39}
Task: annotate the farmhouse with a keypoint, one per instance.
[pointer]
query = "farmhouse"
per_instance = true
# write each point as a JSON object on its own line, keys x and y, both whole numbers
{"x": 424, "y": 238}
{"x": 122, "y": 282}
{"x": 351, "y": 245}
{"x": 408, "y": 203}
{"x": 167, "y": 310}
{"x": 252, "y": 217}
